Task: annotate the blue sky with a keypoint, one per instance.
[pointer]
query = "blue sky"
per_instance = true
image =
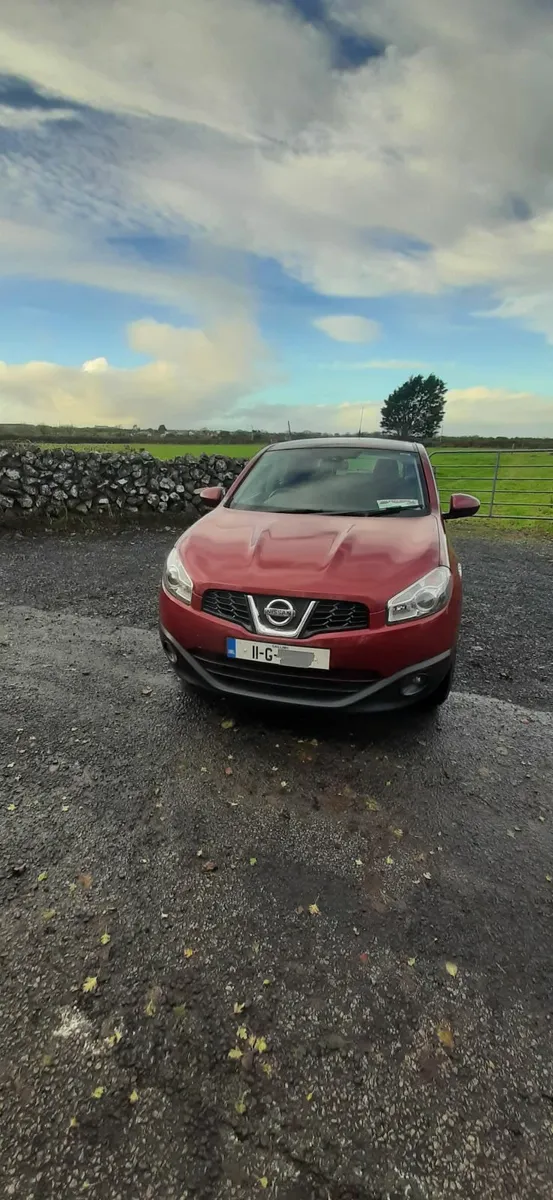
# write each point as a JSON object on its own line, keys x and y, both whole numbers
{"x": 243, "y": 213}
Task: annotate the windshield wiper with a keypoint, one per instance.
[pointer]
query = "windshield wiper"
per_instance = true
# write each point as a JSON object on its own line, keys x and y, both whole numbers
{"x": 378, "y": 512}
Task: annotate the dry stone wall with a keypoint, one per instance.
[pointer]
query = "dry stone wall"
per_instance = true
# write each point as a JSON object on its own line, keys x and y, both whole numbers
{"x": 50, "y": 484}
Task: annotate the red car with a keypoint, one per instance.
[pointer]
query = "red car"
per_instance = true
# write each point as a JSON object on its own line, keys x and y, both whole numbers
{"x": 322, "y": 578}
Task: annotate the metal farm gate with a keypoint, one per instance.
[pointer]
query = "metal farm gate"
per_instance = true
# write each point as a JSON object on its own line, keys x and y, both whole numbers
{"x": 510, "y": 484}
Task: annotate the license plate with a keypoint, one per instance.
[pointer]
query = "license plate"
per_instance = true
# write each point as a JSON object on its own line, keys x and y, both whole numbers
{"x": 277, "y": 655}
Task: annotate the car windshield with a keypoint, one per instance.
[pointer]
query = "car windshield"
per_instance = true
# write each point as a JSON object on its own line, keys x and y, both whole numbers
{"x": 334, "y": 480}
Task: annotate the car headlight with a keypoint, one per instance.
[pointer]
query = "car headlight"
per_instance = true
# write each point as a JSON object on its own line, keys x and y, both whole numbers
{"x": 423, "y": 598}
{"x": 176, "y": 579}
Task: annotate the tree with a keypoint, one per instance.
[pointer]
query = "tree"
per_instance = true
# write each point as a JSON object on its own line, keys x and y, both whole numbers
{"x": 416, "y": 409}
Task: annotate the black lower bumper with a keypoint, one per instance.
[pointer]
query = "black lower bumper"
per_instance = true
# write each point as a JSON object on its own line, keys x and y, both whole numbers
{"x": 353, "y": 691}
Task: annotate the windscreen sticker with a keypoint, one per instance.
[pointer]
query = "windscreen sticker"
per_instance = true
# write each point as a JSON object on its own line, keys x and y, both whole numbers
{"x": 402, "y": 503}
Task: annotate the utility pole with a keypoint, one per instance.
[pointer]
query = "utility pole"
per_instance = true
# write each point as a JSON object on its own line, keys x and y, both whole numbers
{"x": 289, "y": 431}
{"x": 361, "y": 421}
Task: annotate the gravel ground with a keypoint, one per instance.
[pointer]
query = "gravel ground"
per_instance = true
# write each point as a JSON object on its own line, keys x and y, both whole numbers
{"x": 179, "y": 880}
{"x": 506, "y": 648}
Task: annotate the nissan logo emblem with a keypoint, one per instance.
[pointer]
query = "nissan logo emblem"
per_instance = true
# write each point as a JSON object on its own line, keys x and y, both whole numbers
{"x": 279, "y": 612}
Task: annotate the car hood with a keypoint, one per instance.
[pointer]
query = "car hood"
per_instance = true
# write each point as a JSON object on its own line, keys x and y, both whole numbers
{"x": 363, "y": 558}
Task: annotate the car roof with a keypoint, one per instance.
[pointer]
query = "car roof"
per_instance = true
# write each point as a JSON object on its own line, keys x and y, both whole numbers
{"x": 353, "y": 443}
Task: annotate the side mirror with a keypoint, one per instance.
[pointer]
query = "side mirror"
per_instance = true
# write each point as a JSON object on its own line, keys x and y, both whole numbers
{"x": 211, "y": 496}
{"x": 461, "y": 505}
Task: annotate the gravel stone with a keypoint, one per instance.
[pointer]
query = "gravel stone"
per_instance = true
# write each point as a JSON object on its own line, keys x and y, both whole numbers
{"x": 388, "y": 1077}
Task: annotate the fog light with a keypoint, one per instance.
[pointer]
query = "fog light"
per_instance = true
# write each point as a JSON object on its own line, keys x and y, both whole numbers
{"x": 413, "y": 686}
{"x": 171, "y": 653}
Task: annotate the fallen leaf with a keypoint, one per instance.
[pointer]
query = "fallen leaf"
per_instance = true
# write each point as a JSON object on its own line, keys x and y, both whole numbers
{"x": 267, "y": 1068}
{"x": 48, "y": 913}
{"x": 411, "y": 962}
{"x": 65, "y": 808}
{"x": 229, "y": 771}
{"x": 398, "y": 833}
{"x": 283, "y": 783}
{"x": 90, "y": 984}
{"x": 105, "y": 938}
{"x": 451, "y": 969}
{"x": 47, "y": 1060}
{"x": 188, "y": 952}
{"x": 242, "y": 1033}
{"x": 389, "y": 861}
{"x": 150, "y": 1007}
{"x": 371, "y": 804}
{"x": 358, "y": 862}
{"x": 114, "y": 1038}
{"x": 86, "y": 880}
{"x": 235, "y": 1053}
{"x": 72, "y": 887}
{"x": 133, "y": 1097}
{"x": 42, "y": 877}
{"x": 73, "y": 1122}
{"x": 549, "y": 878}
{"x": 11, "y": 807}
{"x": 264, "y": 1182}
{"x": 445, "y": 1036}
{"x": 426, "y": 875}
{"x": 228, "y": 723}
{"x": 253, "y": 862}
{"x": 252, "y": 1040}
{"x": 314, "y": 910}
{"x": 209, "y": 866}
{"x": 266, "y": 982}
{"x": 510, "y": 833}
{"x": 179, "y": 1010}
{"x": 240, "y": 1106}
{"x": 238, "y": 1008}
{"x": 260, "y": 1045}
{"x": 309, "y": 1096}
{"x": 98, "y": 1093}
{"x": 363, "y": 957}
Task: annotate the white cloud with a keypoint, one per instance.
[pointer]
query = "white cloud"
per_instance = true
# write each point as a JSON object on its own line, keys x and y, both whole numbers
{"x": 96, "y": 364}
{"x": 32, "y": 118}
{"x": 478, "y": 409}
{"x": 226, "y": 125}
{"x": 230, "y": 124}
{"x": 194, "y": 374}
{"x": 498, "y": 412}
{"x": 204, "y": 377}
{"x": 348, "y": 328}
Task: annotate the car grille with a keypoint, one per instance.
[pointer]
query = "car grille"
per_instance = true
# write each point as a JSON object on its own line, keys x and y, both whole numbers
{"x": 336, "y": 616}
{"x": 295, "y": 683}
{"x": 328, "y": 616}
{"x": 229, "y": 606}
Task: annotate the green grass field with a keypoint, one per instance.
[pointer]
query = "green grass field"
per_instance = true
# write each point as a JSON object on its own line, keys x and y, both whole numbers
{"x": 523, "y": 490}
{"x": 523, "y": 487}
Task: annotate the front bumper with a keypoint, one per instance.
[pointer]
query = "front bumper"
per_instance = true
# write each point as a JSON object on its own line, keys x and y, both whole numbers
{"x": 346, "y": 689}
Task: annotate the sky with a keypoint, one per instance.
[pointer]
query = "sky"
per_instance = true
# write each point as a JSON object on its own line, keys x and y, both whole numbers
{"x": 239, "y": 213}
